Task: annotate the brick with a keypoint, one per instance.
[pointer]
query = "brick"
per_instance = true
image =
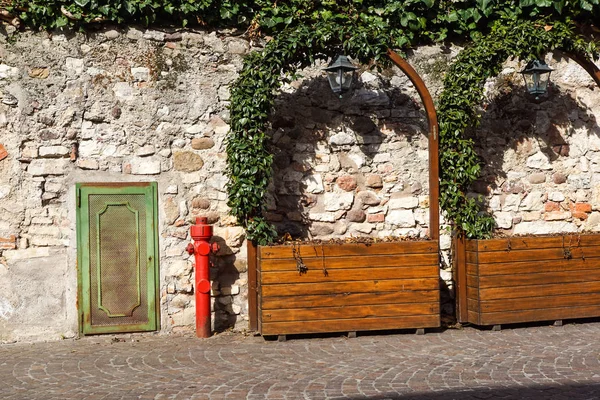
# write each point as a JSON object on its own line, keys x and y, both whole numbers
{"x": 9, "y": 243}
{"x": 551, "y": 206}
{"x": 376, "y": 217}
{"x": 3, "y": 152}
{"x": 346, "y": 182}
{"x": 579, "y": 215}
{"x": 582, "y": 207}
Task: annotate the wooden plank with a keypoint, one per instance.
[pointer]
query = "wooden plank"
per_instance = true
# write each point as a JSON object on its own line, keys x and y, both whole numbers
{"x": 473, "y": 268}
{"x": 582, "y": 240}
{"x": 473, "y": 281}
{"x": 471, "y": 245}
{"x": 252, "y": 286}
{"x": 535, "y": 303}
{"x": 346, "y": 325}
{"x": 349, "y": 299}
{"x": 533, "y": 255}
{"x": 348, "y": 249}
{"x": 549, "y": 314}
{"x": 473, "y": 305}
{"x": 350, "y": 312}
{"x": 400, "y": 285}
{"x": 472, "y": 293}
{"x": 365, "y": 261}
{"x": 539, "y": 290}
{"x": 474, "y": 318}
{"x": 528, "y": 267}
{"x": 461, "y": 277}
{"x": 543, "y": 278}
{"x": 516, "y": 243}
{"x": 346, "y": 275}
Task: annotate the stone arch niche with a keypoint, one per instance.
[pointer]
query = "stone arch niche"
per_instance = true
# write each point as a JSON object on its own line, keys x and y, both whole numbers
{"x": 530, "y": 277}
{"x": 286, "y": 300}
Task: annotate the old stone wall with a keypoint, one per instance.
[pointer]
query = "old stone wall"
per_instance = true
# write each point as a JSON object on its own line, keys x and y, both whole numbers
{"x": 145, "y": 105}
{"x": 540, "y": 158}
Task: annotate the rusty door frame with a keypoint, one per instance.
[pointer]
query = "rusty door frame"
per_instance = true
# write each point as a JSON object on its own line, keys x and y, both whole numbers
{"x": 150, "y": 191}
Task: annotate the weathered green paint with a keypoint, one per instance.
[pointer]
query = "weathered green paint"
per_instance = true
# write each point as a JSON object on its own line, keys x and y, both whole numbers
{"x": 92, "y": 284}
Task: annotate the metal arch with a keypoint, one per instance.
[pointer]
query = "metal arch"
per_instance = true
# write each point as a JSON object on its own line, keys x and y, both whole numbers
{"x": 434, "y": 146}
{"x": 586, "y": 64}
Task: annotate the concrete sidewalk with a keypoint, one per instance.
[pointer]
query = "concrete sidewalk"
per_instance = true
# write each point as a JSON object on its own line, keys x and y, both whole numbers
{"x": 543, "y": 362}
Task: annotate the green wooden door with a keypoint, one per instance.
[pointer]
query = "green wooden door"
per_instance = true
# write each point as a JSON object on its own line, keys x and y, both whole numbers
{"x": 117, "y": 257}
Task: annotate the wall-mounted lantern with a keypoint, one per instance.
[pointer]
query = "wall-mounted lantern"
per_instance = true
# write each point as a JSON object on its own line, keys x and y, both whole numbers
{"x": 537, "y": 77}
{"x": 340, "y": 73}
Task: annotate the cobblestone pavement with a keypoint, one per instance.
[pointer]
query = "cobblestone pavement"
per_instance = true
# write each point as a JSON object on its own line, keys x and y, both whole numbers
{"x": 543, "y": 362}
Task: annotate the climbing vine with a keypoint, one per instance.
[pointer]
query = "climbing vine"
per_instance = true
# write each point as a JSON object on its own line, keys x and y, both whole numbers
{"x": 252, "y": 98}
{"x": 463, "y": 92}
{"x": 302, "y": 31}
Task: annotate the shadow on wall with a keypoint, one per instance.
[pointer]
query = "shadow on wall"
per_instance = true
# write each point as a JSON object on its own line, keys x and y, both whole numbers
{"x": 517, "y": 131}
{"x": 318, "y": 138}
{"x": 223, "y": 272}
{"x": 574, "y": 391}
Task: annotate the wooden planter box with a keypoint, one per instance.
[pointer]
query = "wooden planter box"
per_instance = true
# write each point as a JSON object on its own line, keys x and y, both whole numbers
{"x": 346, "y": 287}
{"x": 526, "y": 279}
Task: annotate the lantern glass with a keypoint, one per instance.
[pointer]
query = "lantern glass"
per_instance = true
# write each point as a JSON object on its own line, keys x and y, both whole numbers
{"x": 340, "y": 73}
{"x": 537, "y": 78}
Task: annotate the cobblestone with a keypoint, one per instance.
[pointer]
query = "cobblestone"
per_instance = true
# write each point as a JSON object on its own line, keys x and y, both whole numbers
{"x": 542, "y": 362}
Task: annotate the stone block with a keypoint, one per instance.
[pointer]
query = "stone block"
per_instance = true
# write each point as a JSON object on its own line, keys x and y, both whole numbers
{"x": 53, "y": 151}
{"x": 368, "y": 198}
{"x": 44, "y": 167}
{"x": 313, "y": 184}
{"x": 557, "y": 215}
{"x": 179, "y": 268}
{"x": 185, "y": 317}
{"x": 75, "y": 65}
{"x": 322, "y": 217}
{"x": 187, "y": 161}
{"x": 537, "y": 178}
{"x": 321, "y": 229}
{"x": 202, "y": 143}
{"x": 544, "y": 227}
{"x": 401, "y": 218}
{"x": 141, "y": 74}
{"x": 5, "y": 191}
{"x": 539, "y": 161}
{"x": 362, "y": 228}
{"x": 346, "y": 182}
{"x": 338, "y": 201}
{"x": 504, "y": 220}
{"x": 342, "y": 138}
{"x": 559, "y": 178}
{"x": 145, "y": 151}
{"x": 556, "y": 197}
{"x": 142, "y": 166}
{"x": 356, "y": 215}
{"x": 88, "y": 163}
{"x": 407, "y": 202}
{"x": 511, "y": 202}
{"x": 533, "y": 201}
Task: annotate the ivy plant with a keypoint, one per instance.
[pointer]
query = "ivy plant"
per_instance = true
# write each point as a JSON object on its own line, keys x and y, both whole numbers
{"x": 463, "y": 93}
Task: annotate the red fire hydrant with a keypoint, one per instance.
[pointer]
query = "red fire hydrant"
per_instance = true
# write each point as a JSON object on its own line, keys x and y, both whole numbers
{"x": 201, "y": 248}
